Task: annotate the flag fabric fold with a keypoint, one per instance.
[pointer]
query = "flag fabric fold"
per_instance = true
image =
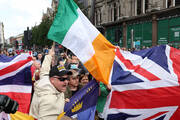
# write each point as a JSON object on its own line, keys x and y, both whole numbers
{"x": 83, "y": 101}
{"x": 73, "y": 30}
{"x": 145, "y": 85}
{"x": 15, "y": 79}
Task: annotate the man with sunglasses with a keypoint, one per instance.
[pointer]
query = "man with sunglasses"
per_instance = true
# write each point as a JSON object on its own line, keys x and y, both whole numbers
{"x": 48, "y": 98}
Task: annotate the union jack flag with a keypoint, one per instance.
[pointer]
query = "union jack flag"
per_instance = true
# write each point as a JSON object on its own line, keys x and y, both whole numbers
{"x": 15, "y": 79}
{"x": 145, "y": 85}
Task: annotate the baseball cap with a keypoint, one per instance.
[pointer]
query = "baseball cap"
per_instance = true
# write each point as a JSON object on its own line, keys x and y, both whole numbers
{"x": 59, "y": 70}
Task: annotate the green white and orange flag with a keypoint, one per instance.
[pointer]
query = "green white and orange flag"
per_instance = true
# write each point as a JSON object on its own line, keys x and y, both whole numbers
{"x": 73, "y": 30}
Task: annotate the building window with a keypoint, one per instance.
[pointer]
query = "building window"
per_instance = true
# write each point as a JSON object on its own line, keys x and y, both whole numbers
{"x": 100, "y": 16}
{"x": 111, "y": 14}
{"x": 146, "y": 5}
{"x": 177, "y": 2}
{"x": 119, "y": 11}
{"x": 139, "y": 6}
{"x": 96, "y": 17}
{"x": 168, "y": 4}
{"x": 115, "y": 12}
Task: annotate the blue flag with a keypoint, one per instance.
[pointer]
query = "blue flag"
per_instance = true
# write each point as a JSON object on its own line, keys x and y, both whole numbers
{"x": 83, "y": 101}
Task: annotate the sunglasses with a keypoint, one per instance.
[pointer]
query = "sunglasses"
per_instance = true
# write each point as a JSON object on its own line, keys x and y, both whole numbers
{"x": 62, "y": 78}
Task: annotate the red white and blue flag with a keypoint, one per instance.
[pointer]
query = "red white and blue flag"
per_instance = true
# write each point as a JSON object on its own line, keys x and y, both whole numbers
{"x": 16, "y": 80}
{"x": 145, "y": 85}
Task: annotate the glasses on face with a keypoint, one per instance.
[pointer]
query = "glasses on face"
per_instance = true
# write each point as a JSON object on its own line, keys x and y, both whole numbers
{"x": 62, "y": 78}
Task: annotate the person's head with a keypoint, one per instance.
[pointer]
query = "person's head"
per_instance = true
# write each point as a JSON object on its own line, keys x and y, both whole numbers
{"x": 74, "y": 64}
{"x": 62, "y": 55}
{"x": 84, "y": 78}
{"x": 61, "y": 61}
{"x": 39, "y": 56}
{"x": 74, "y": 57}
{"x": 74, "y": 79}
{"x": 33, "y": 59}
{"x": 37, "y": 64}
{"x": 59, "y": 77}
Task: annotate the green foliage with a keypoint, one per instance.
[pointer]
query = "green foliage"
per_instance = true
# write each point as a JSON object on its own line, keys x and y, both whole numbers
{"x": 39, "y": 33}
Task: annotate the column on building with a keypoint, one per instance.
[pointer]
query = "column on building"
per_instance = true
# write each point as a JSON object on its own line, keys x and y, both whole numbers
{"x": 104, "y": 11}
{"x": 154, "y": 30}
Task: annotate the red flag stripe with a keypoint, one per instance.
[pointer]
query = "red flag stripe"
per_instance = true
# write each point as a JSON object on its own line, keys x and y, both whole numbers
{"x": 156, "y": 115}
{"x": 23, "y": 100}
{"x": 14, "y": 66}
{"x": 138, "y": 69}
{"x": 175, "y": 57}
{"x": 139, "y": 99}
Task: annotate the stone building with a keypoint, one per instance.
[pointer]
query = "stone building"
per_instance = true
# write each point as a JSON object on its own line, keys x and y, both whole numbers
{"x": 124, "y": 20}
{"x": 114, "y": 10}
{"x": 130, "y": 23}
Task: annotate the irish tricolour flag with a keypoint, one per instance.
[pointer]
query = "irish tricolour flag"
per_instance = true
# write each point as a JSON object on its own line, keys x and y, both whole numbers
{"x": 73, "y": 30}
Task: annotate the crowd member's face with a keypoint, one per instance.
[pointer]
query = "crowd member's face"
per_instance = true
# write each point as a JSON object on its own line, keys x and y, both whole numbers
{"x": 61, "y": 63}
{"x": 62, "y": 55}
{"x": 37, "y": 64}
{"x": 74, "y": 64}
{"x": 39, "y": 56}
{"x": 60, "y": 85}
{"x": 84, "y": 80}
{"x": 74, "y": 57}
{"x": 74, "y": 81}
{"x": 33, "y": 58}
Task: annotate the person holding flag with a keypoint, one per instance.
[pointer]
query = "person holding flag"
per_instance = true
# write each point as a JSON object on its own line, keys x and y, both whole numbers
{"x": 74, "y": 31}
{"x": 48, "y": 98}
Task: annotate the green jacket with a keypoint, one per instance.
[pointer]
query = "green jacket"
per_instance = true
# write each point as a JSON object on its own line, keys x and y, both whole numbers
{"x": 102, "y": 98}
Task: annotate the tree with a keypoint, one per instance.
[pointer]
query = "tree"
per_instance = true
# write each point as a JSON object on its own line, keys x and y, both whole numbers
{"x": 39, "y": 33}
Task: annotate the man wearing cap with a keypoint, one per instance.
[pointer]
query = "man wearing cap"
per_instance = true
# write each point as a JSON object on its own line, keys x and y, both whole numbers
{"x": 48, "y": 98}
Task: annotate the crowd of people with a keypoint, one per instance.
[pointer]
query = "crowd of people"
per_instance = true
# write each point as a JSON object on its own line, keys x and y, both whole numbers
{"x": 56, "y": 77}
{"x": 68, "y": 75}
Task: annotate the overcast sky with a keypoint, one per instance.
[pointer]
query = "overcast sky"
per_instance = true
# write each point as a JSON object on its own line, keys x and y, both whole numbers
{"x": 17, "y": 15}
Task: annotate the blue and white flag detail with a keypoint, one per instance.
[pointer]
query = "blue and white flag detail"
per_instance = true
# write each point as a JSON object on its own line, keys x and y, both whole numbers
{"x": 145, "y": 85}
{"x": 16, "y": 80}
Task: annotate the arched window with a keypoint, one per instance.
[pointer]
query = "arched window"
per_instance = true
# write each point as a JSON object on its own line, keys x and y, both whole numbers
{"x": 109, "y": 13}
{"x": 119, "y": 10}
{"x": 100, "y": 16}
{"x": 139, "y": 7}
{"x": 96, "y": 17}
{"x": 146, "y": 5}
{"x": 111, "y": 8}
{"x": 115, "y": 11}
